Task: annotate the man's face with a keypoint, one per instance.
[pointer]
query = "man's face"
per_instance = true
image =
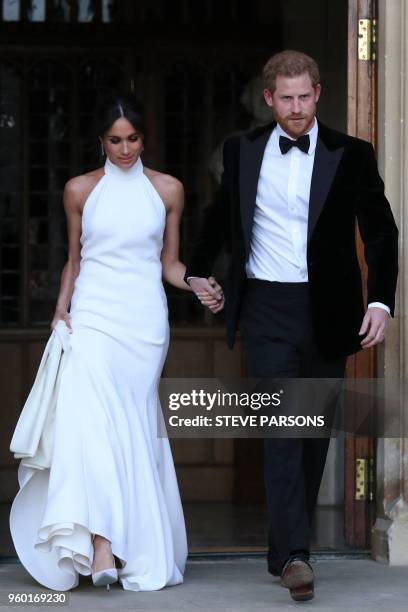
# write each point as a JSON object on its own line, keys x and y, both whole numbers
{"x": 294, "y": 103}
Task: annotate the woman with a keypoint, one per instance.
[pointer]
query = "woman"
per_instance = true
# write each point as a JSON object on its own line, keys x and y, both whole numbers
{"x": 109, "y": 505}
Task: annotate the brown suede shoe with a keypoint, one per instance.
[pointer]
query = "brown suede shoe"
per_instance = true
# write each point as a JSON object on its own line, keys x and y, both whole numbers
{"x": 297, "y": 576}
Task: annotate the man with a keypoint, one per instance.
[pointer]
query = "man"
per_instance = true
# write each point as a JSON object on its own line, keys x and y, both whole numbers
{"x": 287, "y": 206}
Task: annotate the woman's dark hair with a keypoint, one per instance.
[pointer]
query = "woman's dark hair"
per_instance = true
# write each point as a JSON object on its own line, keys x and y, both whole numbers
{"x": 113, "y": 107}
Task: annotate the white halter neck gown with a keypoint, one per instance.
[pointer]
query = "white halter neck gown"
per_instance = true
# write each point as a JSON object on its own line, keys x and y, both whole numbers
{"x": 110, "y": 473}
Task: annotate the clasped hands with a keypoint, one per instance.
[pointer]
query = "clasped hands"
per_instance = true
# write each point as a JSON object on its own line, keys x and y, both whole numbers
{"x": 209, "y": 292}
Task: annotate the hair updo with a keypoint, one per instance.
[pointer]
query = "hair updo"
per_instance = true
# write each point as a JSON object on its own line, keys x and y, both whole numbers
{"x": 117, "y": 106}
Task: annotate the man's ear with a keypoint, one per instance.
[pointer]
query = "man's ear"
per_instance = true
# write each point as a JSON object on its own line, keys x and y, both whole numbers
{"x": 268, "y": 97}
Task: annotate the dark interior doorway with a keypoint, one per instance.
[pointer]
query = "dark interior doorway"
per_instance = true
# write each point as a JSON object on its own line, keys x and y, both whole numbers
{"x": 196, "y": 66}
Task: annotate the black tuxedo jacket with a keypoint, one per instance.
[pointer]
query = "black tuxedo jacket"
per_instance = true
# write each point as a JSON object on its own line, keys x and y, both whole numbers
{"x": 345, "y": 187}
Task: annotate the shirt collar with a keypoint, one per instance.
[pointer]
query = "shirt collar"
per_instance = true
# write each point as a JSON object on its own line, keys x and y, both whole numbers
{"x": 313, "y": 132}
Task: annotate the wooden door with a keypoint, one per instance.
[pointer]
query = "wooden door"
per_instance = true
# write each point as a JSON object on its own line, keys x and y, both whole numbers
{"x": 361, "y": 119}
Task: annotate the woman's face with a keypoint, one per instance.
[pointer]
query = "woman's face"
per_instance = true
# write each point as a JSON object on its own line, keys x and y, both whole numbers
{"x": 122, "y": 143}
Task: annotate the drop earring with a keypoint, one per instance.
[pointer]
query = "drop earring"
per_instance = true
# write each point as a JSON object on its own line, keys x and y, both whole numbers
{"x": 102, "y": 150}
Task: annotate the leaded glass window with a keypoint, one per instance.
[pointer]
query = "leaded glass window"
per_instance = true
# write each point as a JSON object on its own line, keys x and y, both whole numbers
{"x": 48, "y": 96}
{"x": 35, "y": 164}
{"x": 11, "y": 190}
{"x": 67, "y": 11}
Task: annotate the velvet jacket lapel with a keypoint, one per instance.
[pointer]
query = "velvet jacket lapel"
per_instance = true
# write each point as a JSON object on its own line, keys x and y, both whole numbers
{"x": 328, "y": 154}
{"x": 251, "y": 154}
{"x": 327, "y": 158}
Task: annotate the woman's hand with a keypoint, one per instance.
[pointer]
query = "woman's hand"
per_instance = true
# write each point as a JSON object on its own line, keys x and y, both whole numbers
{"x": 61, "y": 315}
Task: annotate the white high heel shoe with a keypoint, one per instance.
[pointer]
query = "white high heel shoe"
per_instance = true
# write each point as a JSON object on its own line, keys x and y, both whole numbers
{"x": 105, "y": 577}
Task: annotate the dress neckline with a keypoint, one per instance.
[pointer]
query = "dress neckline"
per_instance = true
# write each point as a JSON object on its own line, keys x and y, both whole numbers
{"x": 127, "y": 174}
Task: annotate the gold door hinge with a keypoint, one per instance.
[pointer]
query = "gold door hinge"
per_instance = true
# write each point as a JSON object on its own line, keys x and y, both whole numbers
{"x": 367, "y": 39}
{"x": 364, "y": 479}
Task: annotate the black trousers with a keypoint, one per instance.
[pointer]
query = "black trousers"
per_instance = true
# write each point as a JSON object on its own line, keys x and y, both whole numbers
{"x": 277, "y": 330}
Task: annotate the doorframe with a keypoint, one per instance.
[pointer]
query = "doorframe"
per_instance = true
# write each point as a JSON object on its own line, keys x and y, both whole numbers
{"x": 362, "y": 123}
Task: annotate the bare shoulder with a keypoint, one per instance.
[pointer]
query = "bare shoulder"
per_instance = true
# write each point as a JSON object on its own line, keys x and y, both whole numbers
{"x": 78, "y": 188}
{"x": 170, "y": 189}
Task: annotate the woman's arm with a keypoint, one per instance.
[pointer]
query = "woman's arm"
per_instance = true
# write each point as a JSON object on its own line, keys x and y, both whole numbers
{"x": 172, "y": 193}
{"x": 73, "y": 201}
{"x": 173, "y": 197}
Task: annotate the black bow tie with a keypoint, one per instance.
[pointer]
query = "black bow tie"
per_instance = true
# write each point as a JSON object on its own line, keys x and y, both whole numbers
{"x": 302, "y": 143}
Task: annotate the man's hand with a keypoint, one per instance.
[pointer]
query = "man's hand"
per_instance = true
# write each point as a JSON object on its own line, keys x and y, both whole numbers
{"x": 375, "y": 323}
{"x": 209, "y": 292}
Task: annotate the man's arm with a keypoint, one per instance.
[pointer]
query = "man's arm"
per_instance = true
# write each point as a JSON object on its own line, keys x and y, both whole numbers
{"x": 379, "y": 234}
{"x": 380, "y": 237}
{"x": 215, "y": 227}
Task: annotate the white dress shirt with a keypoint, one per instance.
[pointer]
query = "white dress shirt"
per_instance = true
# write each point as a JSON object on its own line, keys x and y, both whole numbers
{"x": 279, "y": 231}
{"x": 278, "y": 250}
